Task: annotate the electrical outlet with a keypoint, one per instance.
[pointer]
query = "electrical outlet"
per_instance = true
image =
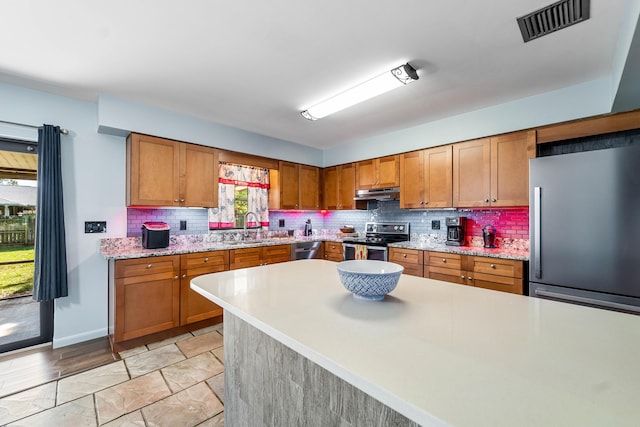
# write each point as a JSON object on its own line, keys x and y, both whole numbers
{"x": 281, "y": 222}
{"x": 183, "y": 224}
{"x": 435, "y": 224}
{"x": 95, "y": 226}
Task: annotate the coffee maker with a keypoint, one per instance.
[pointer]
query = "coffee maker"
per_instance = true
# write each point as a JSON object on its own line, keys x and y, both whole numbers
{"x": 456, "y": 226}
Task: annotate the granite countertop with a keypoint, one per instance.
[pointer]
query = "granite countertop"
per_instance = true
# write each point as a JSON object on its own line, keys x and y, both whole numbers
{"x": 445, "y": 354}
{"x": 505, "y": 253}
{"x": 131, "y": 247}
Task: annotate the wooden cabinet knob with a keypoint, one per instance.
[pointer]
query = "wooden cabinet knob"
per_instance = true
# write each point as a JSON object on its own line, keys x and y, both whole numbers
{"x": 149, "y": 265}
{"x": 176, "y": 277}
{"x": 493, "y": 266}
{"x": 184, "y": 276}
{"x": 206, "y": 260}
{"x": 404, "y": 255}
{"x": 444, "y": 260}
{"x": 486, "y": 200}
{"x": 470, "y": 278}
{"x": 462, "y": 277}
{"x": 494, "y": 200}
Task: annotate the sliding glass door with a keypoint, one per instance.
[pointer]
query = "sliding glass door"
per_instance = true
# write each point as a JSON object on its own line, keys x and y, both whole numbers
{"x": 23, "y": 321}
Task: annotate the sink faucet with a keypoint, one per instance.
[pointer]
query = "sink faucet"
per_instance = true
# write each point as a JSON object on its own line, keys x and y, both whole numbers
{"x": 245, "y": 234}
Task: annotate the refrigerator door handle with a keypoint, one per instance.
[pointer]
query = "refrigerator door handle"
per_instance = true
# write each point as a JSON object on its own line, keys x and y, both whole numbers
{"x": 537, "y": 269}
{"x": 591, "y": 301}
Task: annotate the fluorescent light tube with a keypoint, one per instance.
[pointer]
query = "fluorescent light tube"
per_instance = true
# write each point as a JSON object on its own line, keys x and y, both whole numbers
{"x": 397, "y": 77}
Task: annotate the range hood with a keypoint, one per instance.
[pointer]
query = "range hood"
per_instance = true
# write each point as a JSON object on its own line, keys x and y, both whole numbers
{"x": 391, "y": 193}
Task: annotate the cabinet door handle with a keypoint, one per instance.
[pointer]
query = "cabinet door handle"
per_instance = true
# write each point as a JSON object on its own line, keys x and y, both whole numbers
{"x": 404, "y": 255}
{"x": 176, "y": 277}
{"x": 176, "y": 201}
{"x": 494, "y": 200}
{"x": 206, "y": 260}
{"x": 149, "y": 265}
{"x": 421, "y": 202}
{"x": 444, "y": 260}
{"x": 462, "y": 277}
{"x": 182, "y": 200}
{"x": 486, "y": 200}
{"x": 470, "y": 278}
{"x": 493, "y": 266}
{"x": 426, "y": 203}
{"x": 184, "y": 276}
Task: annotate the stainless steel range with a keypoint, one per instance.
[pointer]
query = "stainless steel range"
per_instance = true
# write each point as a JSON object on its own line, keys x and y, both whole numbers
{"x": 375, "y": 244}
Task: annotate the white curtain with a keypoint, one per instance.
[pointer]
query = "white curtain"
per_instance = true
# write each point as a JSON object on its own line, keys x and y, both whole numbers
{"x": 257, "y": 182}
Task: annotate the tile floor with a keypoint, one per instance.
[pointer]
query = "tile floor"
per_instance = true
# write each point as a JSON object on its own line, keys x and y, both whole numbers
{"x": 175, "y": 382}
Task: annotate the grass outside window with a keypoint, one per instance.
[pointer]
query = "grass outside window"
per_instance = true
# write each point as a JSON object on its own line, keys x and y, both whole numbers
{"x": 16, "y": 279}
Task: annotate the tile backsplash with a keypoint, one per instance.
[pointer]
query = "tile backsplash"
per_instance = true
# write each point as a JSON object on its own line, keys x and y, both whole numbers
{"x": 512, "y": 224}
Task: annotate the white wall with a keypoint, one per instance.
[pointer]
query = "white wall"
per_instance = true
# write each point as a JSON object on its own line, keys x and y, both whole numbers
{"x": 94, "y": 182}
{"x": 574, "y": 102}
{"x": 119, "y": 117}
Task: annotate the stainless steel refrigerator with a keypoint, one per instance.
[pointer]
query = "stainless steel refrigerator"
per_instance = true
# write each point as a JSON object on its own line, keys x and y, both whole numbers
{"x": 585, "y": 228}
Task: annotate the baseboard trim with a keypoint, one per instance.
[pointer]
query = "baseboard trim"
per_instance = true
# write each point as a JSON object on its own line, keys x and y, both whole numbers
{"x": 78, "y": 338}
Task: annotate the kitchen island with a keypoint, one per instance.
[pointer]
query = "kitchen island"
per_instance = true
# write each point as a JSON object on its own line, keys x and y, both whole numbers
{"x": 430, "y": 353}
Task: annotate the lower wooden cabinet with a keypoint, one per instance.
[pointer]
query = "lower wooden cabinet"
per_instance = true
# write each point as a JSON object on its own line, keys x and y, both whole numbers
{"x": 153, "y": 295}
{"x": 333, "y": 251}
{"x": 446, "y": 267}
{"x": 410, "y": 259}
{"x": 497, "y": 274}
{"x": 251, "y": 257}
{"x": 193, "y": 306}
{"x": 483, "y": 272}
{"x": 146, "y": 296}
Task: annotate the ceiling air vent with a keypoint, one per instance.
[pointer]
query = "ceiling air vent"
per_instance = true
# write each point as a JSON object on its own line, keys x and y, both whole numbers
{"x": 553, "y": 18}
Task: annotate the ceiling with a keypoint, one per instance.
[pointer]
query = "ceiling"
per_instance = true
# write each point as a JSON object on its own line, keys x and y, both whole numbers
{"x": 255, "y": 64}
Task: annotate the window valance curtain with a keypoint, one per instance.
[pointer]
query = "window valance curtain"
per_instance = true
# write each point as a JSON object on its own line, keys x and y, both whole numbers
{"x": 257, "y": 182}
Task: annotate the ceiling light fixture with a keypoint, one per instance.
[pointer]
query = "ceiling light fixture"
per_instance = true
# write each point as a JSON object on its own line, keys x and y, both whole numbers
{"x": 397, "y": 77}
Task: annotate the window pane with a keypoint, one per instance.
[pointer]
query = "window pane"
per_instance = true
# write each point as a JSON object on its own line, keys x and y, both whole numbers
{"x": 241, "y": 205}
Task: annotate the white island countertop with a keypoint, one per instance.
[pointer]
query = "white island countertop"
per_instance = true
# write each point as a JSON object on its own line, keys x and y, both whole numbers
{"x": 446, "y": 354}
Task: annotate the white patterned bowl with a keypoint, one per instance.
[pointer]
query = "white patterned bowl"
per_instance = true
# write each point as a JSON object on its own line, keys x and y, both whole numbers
{"x": 369, "y": 279}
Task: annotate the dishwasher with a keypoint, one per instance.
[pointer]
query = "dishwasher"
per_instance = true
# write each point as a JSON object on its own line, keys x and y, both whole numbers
{"x": 306, "y": 250}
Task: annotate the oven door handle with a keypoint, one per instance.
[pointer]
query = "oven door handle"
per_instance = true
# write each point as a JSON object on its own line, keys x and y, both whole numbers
{"x": 369, "y": 247}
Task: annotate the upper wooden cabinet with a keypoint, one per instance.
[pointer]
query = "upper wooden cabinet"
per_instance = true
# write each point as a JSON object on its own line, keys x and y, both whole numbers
{"x": 163, "y": 172}
{"x": 309, "y": 187}
{"x": 378, "y": 173}
{"x": 299, "y": 186}
{"x": 339, "y": 186}
{"x": 493, "y": 171}
{"x": 426, "y": 178}
{"x": 472, "y": 173}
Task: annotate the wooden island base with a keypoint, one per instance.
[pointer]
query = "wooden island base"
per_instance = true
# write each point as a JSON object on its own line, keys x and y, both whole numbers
{"x": 269, "y": 384}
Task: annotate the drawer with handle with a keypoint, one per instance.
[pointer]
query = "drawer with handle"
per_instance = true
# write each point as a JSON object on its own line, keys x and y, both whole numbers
{"x": 445, "y": 260}
{"x": 498, "y": 267}
{"x": 205, "y": 259}
{"x": 410, "y": 259}
{"x": 146, "y": 266}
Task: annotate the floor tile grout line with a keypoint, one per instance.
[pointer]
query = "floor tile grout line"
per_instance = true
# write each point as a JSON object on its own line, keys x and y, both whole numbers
{"x": 95, "y": 404}
{"x": 115, "y": 358}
